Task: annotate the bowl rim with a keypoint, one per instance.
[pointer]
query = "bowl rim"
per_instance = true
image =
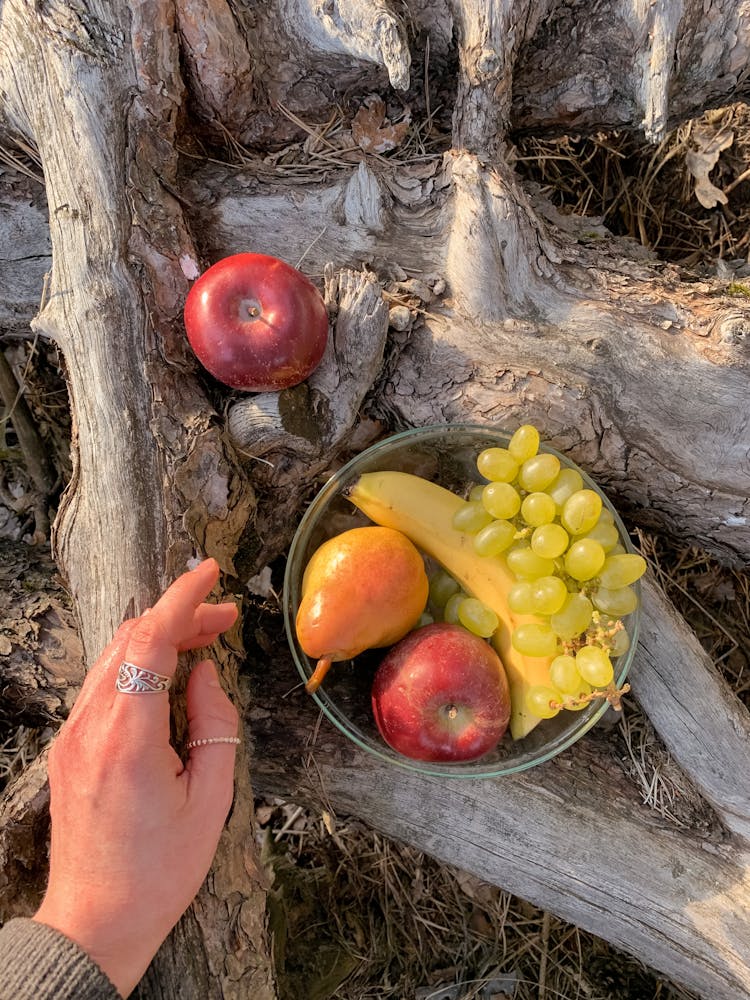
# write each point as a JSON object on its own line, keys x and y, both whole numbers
{"x": 465, "y": 769}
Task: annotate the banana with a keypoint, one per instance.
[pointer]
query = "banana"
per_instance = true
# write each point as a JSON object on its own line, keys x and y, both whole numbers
{"x": 423, "y": 511}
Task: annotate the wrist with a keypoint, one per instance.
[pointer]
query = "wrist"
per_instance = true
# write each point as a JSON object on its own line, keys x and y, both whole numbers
{"x": 122, "y": 954}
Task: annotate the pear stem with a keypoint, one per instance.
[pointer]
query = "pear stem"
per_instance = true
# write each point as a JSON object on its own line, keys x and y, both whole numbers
{"x": 316, "y": 678}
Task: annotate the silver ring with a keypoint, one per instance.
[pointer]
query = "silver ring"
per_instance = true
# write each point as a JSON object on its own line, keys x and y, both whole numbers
{"x": 212, "y": 739}
{"x": 137, "y": 680}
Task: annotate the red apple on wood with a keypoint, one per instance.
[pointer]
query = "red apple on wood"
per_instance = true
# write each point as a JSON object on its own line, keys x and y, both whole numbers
{"x": 256, "y": 323}
{"x": 441, "y": 694}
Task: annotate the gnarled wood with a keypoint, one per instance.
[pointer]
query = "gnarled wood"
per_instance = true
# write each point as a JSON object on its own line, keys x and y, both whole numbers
{"x": 624, "y": 367}
{"x": 150, "y": 467}
{"x": 578, "y": 72}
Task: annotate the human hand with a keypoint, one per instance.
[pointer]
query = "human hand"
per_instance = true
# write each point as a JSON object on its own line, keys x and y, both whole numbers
{"x": 134, "y": 831}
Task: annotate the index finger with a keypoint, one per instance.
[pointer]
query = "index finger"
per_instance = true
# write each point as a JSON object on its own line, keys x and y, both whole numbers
{"x": 156, "y": 636}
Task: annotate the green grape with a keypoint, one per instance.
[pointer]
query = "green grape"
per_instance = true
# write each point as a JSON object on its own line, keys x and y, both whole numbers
{"x": 525, "y": 443}
{"x": 565, "y": 485}
{"x": 538, "y": 509}
{"x": 584, "y": 559}
{"x": 619, "y": 602}
{"x": 494, "y": 539}
{"x": 477, "y": 617}
{"x": 501, "y": 500}
{"x": 424, "y": 619}
{"x": 617, "y": 550}
{"x": 475, "y": 493}
{"x": 450, "y": 612}
{"x": 595, "y": 666}
{"x": 620, "y": 643}
{"x": 581, "y": 512}
{"x": 573, "y": 617}
{"x": 549, "y": 541}
{"x": 605, "y": 533}
{"x": 526, "y": 564}
{"x": 442, "y": 586}
{"x": 622, "y": 570}
{"x": 538, "y": 472}
{"x": 564, "y": 674}
{"x": 519, "y": 598}
{"x": 584, "y": 688}
{"x": 534, "y": 639}
{"x": 540, "y": 701}
{"x": 471, "y": 518}
{"x": 498, "y": 465}
{"x": 548, "y": 594}
{"x": 607, "y": 516}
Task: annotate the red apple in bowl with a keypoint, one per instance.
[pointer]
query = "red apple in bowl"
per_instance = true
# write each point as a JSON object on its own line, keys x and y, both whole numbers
{"x": 256, "y": 323}
{"x": 441, "y": 694}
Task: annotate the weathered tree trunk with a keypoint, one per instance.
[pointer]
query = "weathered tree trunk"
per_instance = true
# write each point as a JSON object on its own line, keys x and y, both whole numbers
{"x": 512, "y": 312}
{"x": 152, "y": 483}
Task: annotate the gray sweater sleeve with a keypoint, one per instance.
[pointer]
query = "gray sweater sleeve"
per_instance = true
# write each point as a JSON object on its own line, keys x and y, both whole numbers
{"x": 39, "y": 963}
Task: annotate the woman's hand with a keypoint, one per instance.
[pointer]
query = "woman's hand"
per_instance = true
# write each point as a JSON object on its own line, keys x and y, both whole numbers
{"x": 134, "y": 831}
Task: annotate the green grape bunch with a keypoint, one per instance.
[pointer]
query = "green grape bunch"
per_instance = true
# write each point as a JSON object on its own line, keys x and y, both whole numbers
{"x": 573, "y": 572}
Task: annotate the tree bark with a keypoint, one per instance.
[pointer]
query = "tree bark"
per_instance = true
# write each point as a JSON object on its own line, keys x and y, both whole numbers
{"x": 150, "y": 466}
{"x": 455, "y": 293}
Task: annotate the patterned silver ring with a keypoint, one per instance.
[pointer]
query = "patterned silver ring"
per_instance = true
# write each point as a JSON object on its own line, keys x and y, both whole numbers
{"x": 137, "y": 680}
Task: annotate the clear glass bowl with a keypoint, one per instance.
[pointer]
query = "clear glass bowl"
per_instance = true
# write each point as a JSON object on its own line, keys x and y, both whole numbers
{"x": 445, "y": 454}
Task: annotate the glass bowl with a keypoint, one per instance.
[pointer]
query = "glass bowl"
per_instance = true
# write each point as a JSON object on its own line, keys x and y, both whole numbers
{"x": 445, "y": 454}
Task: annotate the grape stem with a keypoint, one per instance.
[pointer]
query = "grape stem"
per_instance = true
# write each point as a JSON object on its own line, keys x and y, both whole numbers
{"x": 598, "y": 634}
{"x": 611, "y": 693}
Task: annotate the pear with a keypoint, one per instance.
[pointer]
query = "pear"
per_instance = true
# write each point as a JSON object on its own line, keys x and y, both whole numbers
{"x": 363, "y": 589}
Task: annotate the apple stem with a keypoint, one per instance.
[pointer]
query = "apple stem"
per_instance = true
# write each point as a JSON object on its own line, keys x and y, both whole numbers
{"x": 452, "y": 712}
{"x": 249, "y": 309}
{"x": 316, "y": 678}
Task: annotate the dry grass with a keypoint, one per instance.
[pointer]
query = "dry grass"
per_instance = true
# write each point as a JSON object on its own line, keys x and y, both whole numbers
{"x": 359, "y": 917}
{"x": 647, "y": 192}
{"x": 19, "y": 746}
{"x": 23, "y": 158}
{"x": 715, "y": 599}
{"x": 334, "y": 144}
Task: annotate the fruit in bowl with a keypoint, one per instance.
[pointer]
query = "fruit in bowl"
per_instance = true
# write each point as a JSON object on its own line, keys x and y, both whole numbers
{"x": 441, "y": 694}
{"x": 523, "y": 551}
{"x": 362, "y": 589}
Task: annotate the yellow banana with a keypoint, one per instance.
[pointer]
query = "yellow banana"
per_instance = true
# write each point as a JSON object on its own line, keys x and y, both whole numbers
{"x": 423, "y": 511}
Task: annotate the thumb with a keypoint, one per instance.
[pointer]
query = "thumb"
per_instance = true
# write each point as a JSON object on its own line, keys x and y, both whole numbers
{"x": 211, "y": 765}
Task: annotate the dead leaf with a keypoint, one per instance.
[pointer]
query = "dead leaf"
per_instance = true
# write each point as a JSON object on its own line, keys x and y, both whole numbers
{"x": 477, "y": 890}
{"x": 701, "y": 161}
{"x": 372, "y": 131}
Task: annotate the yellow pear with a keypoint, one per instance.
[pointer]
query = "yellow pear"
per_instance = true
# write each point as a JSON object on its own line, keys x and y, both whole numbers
{"x": 362, "y": 589}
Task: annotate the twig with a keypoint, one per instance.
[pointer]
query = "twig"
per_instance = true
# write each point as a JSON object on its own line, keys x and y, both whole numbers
{"x": 544, "y": 955}
{"x": 29, "y": 441}
{"x": 310, "y": 246}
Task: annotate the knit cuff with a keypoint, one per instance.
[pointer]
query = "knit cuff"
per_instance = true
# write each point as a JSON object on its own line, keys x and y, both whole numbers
{"x": 38, "y": 962}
